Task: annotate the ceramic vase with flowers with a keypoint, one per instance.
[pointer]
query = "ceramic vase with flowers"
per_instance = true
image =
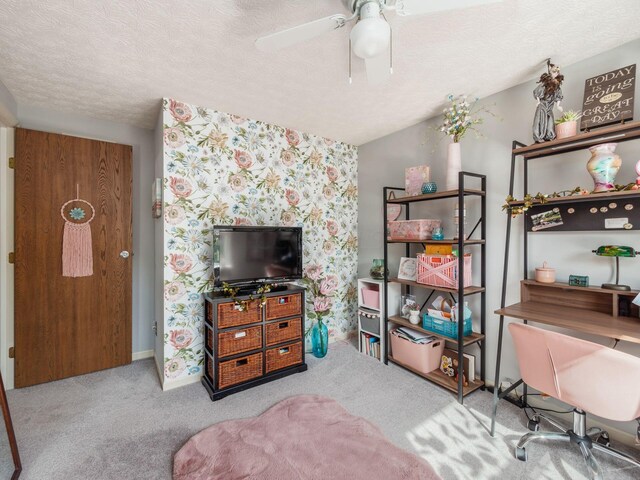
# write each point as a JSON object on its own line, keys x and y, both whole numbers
{"x": 459, "y": 118}
{"x": 320, "y": 291}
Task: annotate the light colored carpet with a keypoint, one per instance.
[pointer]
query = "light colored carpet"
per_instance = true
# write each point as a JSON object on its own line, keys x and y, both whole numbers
{"x": 118, "y": 424}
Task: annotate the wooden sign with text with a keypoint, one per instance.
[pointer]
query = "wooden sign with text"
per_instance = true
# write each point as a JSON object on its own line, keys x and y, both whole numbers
{"x": 608, "y": 98}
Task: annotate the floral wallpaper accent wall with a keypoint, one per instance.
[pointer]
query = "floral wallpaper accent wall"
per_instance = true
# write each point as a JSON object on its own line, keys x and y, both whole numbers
{"x": 224, "y": 169}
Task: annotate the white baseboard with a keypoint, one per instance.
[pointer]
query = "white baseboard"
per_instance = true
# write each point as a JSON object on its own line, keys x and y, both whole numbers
{"x": 181, "y": 382}
{"x": 140, "y": 355}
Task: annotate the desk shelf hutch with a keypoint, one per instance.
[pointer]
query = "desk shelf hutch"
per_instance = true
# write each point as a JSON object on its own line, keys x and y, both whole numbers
{"x": 592, "y": 310}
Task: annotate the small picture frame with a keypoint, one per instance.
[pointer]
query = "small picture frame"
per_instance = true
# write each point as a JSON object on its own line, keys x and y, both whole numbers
{"x": 408, "y": 303}
{"x": 408, "y": 269}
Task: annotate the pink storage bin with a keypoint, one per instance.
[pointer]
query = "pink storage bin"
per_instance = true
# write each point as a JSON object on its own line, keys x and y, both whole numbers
{"x": 442, "y": 270}
{"x": 412, "y": 229}
{"x": 371, "y": 298}
{"x": 421, "y": 357}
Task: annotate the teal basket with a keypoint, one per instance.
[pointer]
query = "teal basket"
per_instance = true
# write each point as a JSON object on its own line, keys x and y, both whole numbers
{"x": 446, "y": 328}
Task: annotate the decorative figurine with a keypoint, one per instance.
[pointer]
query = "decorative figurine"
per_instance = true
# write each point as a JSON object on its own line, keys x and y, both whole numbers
{"x": 638, "y": 172}
{"x": 548, "y": 94}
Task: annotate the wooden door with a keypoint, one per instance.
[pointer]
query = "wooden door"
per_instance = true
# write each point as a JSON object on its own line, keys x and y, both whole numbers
{"x": 66, "y": 326}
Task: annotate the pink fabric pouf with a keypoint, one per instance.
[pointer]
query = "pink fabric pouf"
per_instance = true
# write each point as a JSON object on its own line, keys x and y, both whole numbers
{"x": 305, "y": 437}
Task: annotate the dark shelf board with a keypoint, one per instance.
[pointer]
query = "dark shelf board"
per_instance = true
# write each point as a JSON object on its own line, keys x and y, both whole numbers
{"x": 449, "y": 241}
{"x": 626, "y": 194}
{"x": 467, "y": 291}
{"x": 451, "y": 343}
{"x": 441, "y": 379}
{"x": 435, "y": 196}
{"x": 617, "y": 133}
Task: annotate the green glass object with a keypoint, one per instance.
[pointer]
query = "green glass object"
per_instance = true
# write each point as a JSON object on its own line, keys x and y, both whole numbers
{"x": 319, "y": 339}
{"x": 377, "y": 269}
{"x": 615, "y": 251}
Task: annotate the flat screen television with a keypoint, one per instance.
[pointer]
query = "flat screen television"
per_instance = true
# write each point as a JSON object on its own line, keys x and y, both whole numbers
{"x": 248, "y": 255}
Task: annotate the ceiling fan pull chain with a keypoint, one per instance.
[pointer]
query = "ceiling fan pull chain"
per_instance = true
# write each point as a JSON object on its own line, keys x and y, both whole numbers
{"x": 350, "y": 79}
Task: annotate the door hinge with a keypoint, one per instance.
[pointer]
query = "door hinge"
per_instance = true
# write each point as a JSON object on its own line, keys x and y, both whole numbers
{"x": 12, "y": 352}
{"x": 12, "y": 257}
{"x": 12, "y": 162}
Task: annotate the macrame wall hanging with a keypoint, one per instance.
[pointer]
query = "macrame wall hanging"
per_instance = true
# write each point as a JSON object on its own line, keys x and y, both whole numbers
{"x": 77, "y": 250}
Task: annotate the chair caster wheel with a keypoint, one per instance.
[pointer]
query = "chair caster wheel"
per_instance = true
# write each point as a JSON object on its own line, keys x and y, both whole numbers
{"x": 603, "y": 439}
{"x": 533, "y": 425}
{"x": 521, "y": 454}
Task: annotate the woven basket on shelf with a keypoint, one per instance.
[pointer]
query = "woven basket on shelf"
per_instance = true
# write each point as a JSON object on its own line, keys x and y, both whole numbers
{"x": 239, "y": 370}
{"x": 284, "y": 356}
{"x": 284, "y": 306}
{"x": 279, "y": 332}
{"x": 231, "y": 315}
{"x": 241, "y": 340}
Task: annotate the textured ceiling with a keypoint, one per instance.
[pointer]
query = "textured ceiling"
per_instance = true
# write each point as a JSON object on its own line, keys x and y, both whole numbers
{"x": 116, "y": 59}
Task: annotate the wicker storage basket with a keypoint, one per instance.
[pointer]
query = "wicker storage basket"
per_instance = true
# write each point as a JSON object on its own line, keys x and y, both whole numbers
{"x": 442, "y": 270}
{"x": 284, "y": 356}
{"x": 241, "y": 340}
{"x": 238, "y": 370}
{"x": 280, "y": 332}
{"x": 284, "y": 306}
{"x": 230, "y": 314}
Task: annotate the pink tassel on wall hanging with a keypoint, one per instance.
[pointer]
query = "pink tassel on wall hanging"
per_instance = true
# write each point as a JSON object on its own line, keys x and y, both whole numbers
{"x": 77, "y": 248}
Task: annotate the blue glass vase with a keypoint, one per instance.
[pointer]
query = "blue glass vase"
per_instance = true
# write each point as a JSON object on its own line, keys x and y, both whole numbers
{"x": 319, "y": 339}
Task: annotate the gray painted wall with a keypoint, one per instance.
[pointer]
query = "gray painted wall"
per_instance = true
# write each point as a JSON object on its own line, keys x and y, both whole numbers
{"x": 382, "y": 162}
{"x": 142, "y": 141}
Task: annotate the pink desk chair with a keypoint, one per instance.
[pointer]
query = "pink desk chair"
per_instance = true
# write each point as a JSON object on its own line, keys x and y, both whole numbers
{"x": 590, "y": 377}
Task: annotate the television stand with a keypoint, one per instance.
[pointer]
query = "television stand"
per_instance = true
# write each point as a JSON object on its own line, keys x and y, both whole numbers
{"x": 246, "y": 347}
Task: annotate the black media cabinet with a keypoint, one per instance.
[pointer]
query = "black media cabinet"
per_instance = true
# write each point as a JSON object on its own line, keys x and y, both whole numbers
{"x": 246, "y": 348}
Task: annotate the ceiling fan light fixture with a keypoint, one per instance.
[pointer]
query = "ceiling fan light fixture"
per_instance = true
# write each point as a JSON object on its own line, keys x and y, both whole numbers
{"x": 370, "y": 37}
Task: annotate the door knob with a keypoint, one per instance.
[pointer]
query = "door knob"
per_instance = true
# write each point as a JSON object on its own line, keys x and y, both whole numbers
{"x": 124, "y": 254}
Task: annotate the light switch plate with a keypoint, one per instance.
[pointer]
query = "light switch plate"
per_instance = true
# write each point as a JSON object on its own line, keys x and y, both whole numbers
{"x": 615, "y": 222}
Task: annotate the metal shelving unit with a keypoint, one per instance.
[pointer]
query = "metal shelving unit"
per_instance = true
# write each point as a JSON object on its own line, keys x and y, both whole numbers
{"x": 458, "y": 294}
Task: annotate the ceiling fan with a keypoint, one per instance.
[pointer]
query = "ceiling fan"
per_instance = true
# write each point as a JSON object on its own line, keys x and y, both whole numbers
{"x": 370, "y": 38}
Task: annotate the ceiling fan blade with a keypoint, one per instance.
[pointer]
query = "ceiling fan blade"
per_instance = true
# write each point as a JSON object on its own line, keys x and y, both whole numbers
{"x": 420, "y": 7}
{"x": 378, "y": 68}
{"x": 301, "y": 33}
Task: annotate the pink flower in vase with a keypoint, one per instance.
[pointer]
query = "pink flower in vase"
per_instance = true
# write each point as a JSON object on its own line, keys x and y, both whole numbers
{"x": 321, "y": 304}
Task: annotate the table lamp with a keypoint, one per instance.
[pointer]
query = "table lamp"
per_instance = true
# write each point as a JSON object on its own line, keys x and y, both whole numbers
{"x": 616, "y": 251}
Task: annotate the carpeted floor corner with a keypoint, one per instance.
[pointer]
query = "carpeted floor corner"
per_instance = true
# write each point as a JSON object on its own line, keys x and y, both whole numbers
{"x": 118, "y": 424}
